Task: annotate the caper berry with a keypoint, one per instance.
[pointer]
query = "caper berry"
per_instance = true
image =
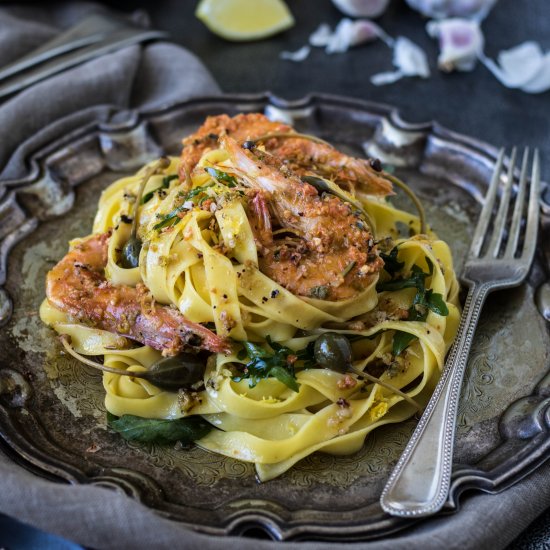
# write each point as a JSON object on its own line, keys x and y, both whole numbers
{"x": 129, "y": 257}
{"x": 333, "y": 351}
{"x": 173, "y": 373}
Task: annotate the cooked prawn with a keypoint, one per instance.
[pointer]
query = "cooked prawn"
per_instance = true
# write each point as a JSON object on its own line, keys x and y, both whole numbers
{"x": 325, "y": 243}
{"x": 77, "y": 286}
{"x": 300, "y": 154}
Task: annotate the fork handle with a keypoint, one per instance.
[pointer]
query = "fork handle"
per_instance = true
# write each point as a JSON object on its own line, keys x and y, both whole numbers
{"x": 419, "y": 484}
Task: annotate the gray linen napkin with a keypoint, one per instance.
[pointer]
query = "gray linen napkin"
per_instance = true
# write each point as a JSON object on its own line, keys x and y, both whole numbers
{"x": 128, "y": 79}
{"x": 96, "y": 517}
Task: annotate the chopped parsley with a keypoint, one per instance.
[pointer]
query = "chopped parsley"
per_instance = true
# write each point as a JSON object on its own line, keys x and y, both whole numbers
{"x": 172, "y": 217}
{"x": 279, "y": 362}
{"x": 165, "y": 185}
{"x": 425, "y": 300}
{"x": 222, "y": 177}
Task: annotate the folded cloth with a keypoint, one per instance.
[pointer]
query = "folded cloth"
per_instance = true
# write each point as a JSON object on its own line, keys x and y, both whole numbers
{"x": 133, "y": 78}
{"x": 142, "y": 78}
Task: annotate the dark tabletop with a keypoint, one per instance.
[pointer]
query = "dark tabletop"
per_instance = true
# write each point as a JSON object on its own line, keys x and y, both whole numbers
{"x": 473, "y": 103}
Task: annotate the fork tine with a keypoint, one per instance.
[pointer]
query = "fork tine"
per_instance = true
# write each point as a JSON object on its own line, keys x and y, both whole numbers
{"x": 500, "y": 219}
{"x": 533, "y": 211}
{"x": 513, "y": 235}
{"x": 486, "y": 212}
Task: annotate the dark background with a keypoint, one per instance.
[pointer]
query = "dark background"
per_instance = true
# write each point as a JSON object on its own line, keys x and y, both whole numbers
{"x": 474, "y": 103}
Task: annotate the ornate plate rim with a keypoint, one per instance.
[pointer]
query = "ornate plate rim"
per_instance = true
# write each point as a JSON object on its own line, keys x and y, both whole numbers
{"x": 143, "y": 488}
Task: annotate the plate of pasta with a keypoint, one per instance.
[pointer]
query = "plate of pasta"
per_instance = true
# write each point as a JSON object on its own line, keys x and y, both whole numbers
{"x": 270, "y": 291}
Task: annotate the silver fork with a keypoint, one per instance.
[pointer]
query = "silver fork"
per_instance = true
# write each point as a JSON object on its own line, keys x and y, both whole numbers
{"x": 500, "y": 256}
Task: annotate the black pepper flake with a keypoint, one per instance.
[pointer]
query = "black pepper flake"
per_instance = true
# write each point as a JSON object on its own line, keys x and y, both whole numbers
{"x": 126, "y": 219}
{"x": 264, "y": 299}
{"x": 376, "y": 165}
{"x": 225, "y": 296}
{"x": 274, "y": 293}
{"x": 248, "y": 144}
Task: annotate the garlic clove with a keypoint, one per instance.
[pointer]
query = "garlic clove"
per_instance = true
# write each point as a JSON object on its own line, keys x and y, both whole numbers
{"x": 460, "y": 42}
{"x": 362, "y": 8}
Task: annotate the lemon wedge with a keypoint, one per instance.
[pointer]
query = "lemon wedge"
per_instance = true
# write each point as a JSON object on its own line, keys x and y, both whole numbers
{"x": 241, "y": 20}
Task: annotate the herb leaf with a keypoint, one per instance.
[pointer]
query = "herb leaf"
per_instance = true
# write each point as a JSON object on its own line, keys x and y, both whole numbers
{"x": 425, "y": 300}
{"x": 278, "y": 363}
{"x": 284, "y": 376}
{"x": 165, "y": 184}
{"x": 222, "y": 177}
{"x": 152, "y": 430}
{"x": 391, "y": 264}
{"x": 401, "y": 340}
{"x": 436, "y": 303}
{"x": 172, "y": 217}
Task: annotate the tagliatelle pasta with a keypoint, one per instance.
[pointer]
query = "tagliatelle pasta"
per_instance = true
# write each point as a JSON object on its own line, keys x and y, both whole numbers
{"x": 214, "y": 253}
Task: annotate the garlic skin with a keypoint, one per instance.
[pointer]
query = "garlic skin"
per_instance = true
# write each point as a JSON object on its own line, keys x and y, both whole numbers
{"x": 297, "y": 56}
{"x": 525, "y": 67}
{"x": 460, "y": 42}
{"x": 347, "y": 34}
{"x": 362, "y": 8}
{"x": 443, "y": 9}
{"x": 321, "y": 37}
{"x": 408, "y": 58}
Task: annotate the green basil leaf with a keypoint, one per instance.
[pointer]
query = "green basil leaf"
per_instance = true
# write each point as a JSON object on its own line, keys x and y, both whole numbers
{"x": 436, "y": 303}
{"x": 391, "y": 264}
{"x": 152, "y": 430}
{"x": 399, "y": 284}
{"x": 255, "y": 351}
{"x": 401, "y": 340}
{"x": 282, "y": 374}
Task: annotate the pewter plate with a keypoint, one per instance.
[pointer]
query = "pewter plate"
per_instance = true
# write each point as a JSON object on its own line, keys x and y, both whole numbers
{"x": 52, "y": 418}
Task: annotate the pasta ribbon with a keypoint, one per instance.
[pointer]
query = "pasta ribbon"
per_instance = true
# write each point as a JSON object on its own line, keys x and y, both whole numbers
{"x": 200, "y": 256}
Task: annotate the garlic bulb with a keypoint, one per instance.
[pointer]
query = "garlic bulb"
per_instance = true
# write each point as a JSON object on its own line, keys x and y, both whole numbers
{"x": 362, "y": 8}
{"x": 442, "y": 9}
{"x": 460, "y": 43}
